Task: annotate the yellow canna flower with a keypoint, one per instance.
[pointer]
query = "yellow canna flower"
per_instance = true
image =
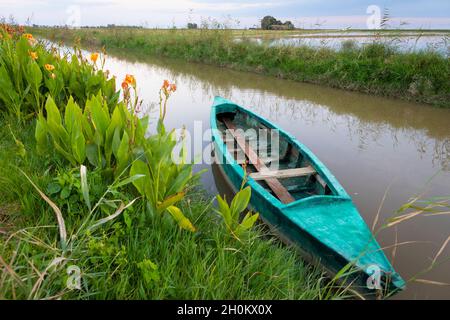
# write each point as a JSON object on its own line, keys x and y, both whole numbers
{"x": 49, "y": 67}
{"x": 29, "y": 36}
{"x": 94, "y": 57}
{"x": 33, "y": 55}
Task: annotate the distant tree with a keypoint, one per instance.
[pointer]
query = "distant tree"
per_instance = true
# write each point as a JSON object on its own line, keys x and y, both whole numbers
{"x": 267, "y": 21}
{"x": 191, "y": 25}
{"x": 270, "y": 23}
{"x": 289, "y": 25}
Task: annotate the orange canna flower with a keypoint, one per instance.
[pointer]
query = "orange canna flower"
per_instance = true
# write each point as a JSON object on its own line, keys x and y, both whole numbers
{"x": 173, "y": 87}
{"x": 124, "y": 85}
{"x": 33, "y": 55}
{"x": 49, "y": 67}
{"x": 166, "y": 84}
{"x": 94, "y": 57}
{"x": 130, "y": 80}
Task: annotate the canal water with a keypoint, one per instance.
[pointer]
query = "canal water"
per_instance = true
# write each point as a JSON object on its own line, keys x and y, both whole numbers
{"x": 373, "y": 145}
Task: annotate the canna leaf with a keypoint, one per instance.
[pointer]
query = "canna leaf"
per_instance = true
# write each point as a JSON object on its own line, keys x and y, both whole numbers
{"x": 40, "y": 134}
{"x": 169, "y": 201}
{"x": 122, "y": 152}
{"x": 240, "y": 202}
{"x": 78, "y": 144}
{"x": 247, "y": 223}
{"x": 100, "y": 118}
{"x": 138, "y": 167}
{"x": 224, "y": 211}
{"x": 130, "y": 179}
{"x": 180, "y": 181}
{"x": 182, "y": 221}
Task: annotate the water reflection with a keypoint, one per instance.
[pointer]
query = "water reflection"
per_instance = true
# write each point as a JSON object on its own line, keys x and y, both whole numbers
{"x": 367, "y": 142}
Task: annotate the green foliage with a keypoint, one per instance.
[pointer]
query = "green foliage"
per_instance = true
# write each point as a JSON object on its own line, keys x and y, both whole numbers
{"x": 92, "y": 136}
{"x": 112, "y": 256}
{"x": 29, "y": 73}
{"x": 231, "y": 213}
{"x": 149, "y": 271}
{"x": 270, "y": 23}
{"x": 165, "y": 181}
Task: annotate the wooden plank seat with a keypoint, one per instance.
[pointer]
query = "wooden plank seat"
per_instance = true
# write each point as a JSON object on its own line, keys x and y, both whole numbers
{"x": 263, "y": 159}
{"x": 278, "y": 189}
{"x": 281, "y": 174}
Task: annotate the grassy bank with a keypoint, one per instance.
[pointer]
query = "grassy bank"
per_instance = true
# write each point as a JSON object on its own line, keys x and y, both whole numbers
{"x": 92, "y": 208}
{"x": 374, "y": 69}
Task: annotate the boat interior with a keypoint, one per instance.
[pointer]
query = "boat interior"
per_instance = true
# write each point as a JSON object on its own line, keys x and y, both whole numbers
{"x": 270, "y": 159}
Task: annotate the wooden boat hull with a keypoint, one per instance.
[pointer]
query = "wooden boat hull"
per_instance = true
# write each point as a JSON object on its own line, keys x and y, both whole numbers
{"x": 327, "y": 228}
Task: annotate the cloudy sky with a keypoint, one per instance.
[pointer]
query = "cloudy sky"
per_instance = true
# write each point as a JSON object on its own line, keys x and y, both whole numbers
{"x": 236, "y": 13}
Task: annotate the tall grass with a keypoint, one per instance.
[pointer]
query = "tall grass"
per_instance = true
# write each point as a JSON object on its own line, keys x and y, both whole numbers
{"x": 375, "y": 68}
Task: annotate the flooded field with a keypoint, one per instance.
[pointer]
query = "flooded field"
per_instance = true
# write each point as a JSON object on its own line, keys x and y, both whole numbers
{"x": 403, "y": 42}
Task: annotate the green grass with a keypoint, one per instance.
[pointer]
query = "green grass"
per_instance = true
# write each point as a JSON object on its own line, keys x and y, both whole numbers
{"x": 375, "y": 69}
{"x": 208, "y": 264}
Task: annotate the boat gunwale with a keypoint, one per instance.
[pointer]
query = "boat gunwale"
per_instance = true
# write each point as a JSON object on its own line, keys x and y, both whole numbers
{"x": 321, "y": 169}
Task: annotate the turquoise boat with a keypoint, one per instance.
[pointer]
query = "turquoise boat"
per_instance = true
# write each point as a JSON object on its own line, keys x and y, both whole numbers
{"x": 297, "y": 196}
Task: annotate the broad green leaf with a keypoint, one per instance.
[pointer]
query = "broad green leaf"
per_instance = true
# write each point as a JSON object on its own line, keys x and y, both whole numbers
{"x": 138, "y": 167}
{"x": 78, "y": 144}
{"x": 40, "y": 134}
{"x": 53, "y": 187}
{"x": 240, "y": 202}
{"x": 182, "y": 221}
{"x": 248, "y": 222}
{"x": 130, "y": 179}
{"x": 53, "y": 113}
{"x": 59, "y": 134}
{"x": 65, "y": 192}
{"x": 123, "y": 151}
{"x": 116, "y": 142}
{"x": 224, "y": 211}
{"x": 66, "y": 154}
{"x": 72, "y": 115}
{"x": 181, "y": 180}
{"x": 100, "y": 118}
{"x": 114, "y": 125}
{"x": 170, "y": 201}
{"x": 92, "y": 154}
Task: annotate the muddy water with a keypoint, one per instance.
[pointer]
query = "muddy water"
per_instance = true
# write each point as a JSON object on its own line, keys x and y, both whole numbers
{"x": 371, "y": 144}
